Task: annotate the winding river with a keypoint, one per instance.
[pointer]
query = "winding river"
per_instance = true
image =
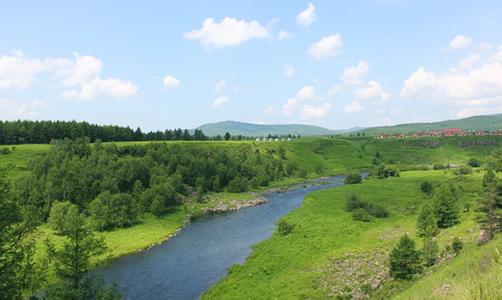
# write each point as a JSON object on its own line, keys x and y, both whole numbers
{"x": 185, "y": 266}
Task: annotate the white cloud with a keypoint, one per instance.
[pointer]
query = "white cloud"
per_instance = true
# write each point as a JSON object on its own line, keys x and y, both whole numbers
{"x": 220, "y": 85}
{"x": 85, "y": 68}
{"x": 171, "y": 82}
{"x": 373, "y": 90}
{"x": 290, "y": 106}
{"x": 498, "y": 55}
{"x": 307, "y": 17}
{"x": 110, "y": 87}
{"x": 284, "y": 35}
{"x": 310, "y": 112}
{"x": 468, "y": 62}
{"x": 353, "y": 74}
{"x": 419, "y": 84}
{"x": 306, "y": 93}
{"x": 485, "y": 46}
{"x": 476, "y": 111}
{"x": 334, "y": 90}
{"x": 12, "y": 110}
{"x": 329, "y": 46}
{"x": 353, "y": 107}
{"x": 30, "y": 110}
{"x": 460, "y": 41}
{"x": 229, "y": 32}
{"x": 289, "y": 71}
{"x": 220, "y": 101}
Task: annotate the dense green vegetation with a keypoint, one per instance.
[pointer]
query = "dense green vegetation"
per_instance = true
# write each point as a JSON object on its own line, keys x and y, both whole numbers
{"x": 148, "y": 190}
{"x": 491, "y": 122}
{"x": 260, "y": 130}
{"x": 42, "y": 132}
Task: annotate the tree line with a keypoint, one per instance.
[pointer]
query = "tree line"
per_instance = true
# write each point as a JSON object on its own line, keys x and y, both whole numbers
{"x": 42, "y": 132}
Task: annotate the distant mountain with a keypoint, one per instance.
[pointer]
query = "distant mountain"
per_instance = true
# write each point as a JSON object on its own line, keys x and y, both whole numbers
{"x": 489, "y": 122}
{"x": 250, "y": 129}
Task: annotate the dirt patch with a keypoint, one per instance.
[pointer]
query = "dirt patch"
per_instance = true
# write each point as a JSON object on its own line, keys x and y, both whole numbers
{"x": 355, "y": 276}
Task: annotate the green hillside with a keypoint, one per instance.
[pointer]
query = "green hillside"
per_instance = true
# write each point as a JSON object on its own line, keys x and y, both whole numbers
{"x": 490, "y": 122}
{"x": 249, "y": 129}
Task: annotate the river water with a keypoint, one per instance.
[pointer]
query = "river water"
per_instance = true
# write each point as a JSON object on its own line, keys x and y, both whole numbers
{"x": 185, "y": 266}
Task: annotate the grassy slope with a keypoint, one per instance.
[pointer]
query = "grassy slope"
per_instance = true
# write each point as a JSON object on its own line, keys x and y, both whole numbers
{"x": 292, "y": 266}
{"x": 491, "y": 122}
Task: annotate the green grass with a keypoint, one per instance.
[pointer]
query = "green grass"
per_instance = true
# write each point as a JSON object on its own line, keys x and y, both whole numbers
{"x": 294, "y": 266}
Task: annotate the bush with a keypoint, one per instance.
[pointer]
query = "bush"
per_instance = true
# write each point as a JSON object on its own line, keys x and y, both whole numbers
{"x": 361, "y": 214}
{"x": 377, "y": 211}
{"x": 439, "y": 167}
{"x": 383, "y": 171}
{"x": 60, "y": 214}
{"x": 238, "y": 185}
{"x": 5, "y": 151}
{"x": 475, "y": 163}
{"x": 464, "y": 170}
{"x": 426, "y": 187}
{"x": 284, "y": 227}
{"x": 353, "y": 202}
{"x": 457, "y": 245}
{"x": 353, "y": 178}
{"x": 404, "y": 259}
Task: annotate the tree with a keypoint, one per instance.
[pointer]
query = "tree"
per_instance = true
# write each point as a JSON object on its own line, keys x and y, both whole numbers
{"x": 353, "y": 178}
{"x": 73, "y": 263}
{"x": 474, "y": 162}
{"x": 404, "y": 259}
{"x": 60, "y": 213}
{"x": 491, "y": 212}
{"x": 426, "y": 187}
{"x": 446, "y": 206}
{"x": 430, "y": 251}
{"x": 489, "y": 177}
{"x": 426, "y": 222}
{"x": 16, "y": 248}
{"x": 227, "y": 136}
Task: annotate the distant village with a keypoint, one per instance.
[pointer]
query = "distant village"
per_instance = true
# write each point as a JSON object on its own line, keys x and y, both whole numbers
{"x": 440, "y": 133}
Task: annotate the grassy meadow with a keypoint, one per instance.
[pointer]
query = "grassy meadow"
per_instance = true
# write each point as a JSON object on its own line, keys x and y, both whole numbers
{"x": 302, "y": 264}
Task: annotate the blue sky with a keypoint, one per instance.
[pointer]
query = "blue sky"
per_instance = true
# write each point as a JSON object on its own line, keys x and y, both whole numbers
{"x": 166, "y": 64}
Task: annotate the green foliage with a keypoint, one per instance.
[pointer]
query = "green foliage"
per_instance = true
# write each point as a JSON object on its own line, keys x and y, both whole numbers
{"x": 227, "y": 136}
{"x": 108, "y": 211}
{"x": 463, "y": 170}
{"x": 72, "y": 262}
{"x": 4, "y": 151}
{"x": 16, "y": 247}
{"x": 439, "y": 167}
{"x": 284, "y": 228}
{"x": 426, "y": 222}
{"x": 489, "y": 178}
{"x": 353, "y": 178}
{"x": 404, "y": 259}
{"x": 237, "y": 185}
{"x": 60, "y": 215}
{"x": 426, "y": 187}
{"x": 364, "y": 211}
{"x": 430, "y": 251}
{"x": 474, "y": 162}
{"x": 490, "y": 209}
{"x": 382, "y": 171}
{"x": 457, "y": 245}
{"x": 446, "y": 207}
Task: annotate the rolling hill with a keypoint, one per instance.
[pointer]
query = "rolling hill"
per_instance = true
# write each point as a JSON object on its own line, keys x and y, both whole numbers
{"x": 250, "y": 129}
{"x": 489, "y": 122}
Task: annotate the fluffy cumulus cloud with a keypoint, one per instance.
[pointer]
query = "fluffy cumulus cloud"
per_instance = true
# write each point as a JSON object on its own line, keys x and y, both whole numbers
{"x": 290, "y": 106}
{"x": 329, "y": 46}
{"x": 373, "y": 90}
{"x": 475, "y": 88}
{"x": 306, "y": 17}
{"x": 170, "y": 82}
{"x": 354, "y": 74}
{"x": 110, "y": 87}
{"x": 220, "y": 101}
{"x": 289, "y": 71}
{"x": 469, "y": 61}
{"x": 460, "y": 41}
{"x": 228, "y": 32}
{"x": 81, "y": 75}
{"x": 306, "y": 93}
{"x": 312, "y": 112}
{"x": 20, "y": 109}
{"x": 353, "y": 107}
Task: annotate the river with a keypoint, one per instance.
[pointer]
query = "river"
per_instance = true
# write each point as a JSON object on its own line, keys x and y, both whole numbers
{"x": 185, "y": 266}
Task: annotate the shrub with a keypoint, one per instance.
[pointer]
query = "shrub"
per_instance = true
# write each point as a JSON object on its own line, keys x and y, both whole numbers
{"x": 426, "y": 187}
{"x": 5, "y": 151}
{"x": 284, "y": 227}
{"x": 404, "y": 259}
{"x": 439, "y": 167}
{"x": 60, "y": 214}
{"x": 377, "y": 211}
{"x": 457, "y": 245}
{"x": 383, "y": 171}
{"x": 353, "y": 202}
{"x": 475, "y": 163}
{"x": 464, "y": 170}
{"x": 361, "y": 214}
{"x": 353, "y": 178}
{"x": 238, "y": 185}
